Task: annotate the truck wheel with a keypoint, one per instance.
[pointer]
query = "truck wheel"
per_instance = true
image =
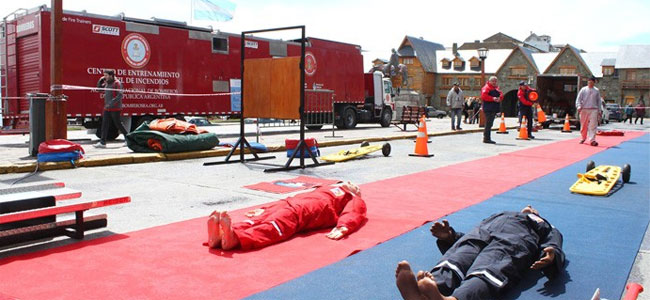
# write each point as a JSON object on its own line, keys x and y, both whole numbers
{"x": 627, "y": 170}
{"x": 349, "y": 118}
{"x": 386, "y": 117}
{"x": 385, "y": 149}
{"x": 314, "y": 127}
{"x": 590, "y": 165}
{"x": 441, "y": 116}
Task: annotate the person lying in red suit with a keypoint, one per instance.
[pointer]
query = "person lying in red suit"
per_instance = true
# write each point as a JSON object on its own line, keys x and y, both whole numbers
{"x": 340, "y": 207}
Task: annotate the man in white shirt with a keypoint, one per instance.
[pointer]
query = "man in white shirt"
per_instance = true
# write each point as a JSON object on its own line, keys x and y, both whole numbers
{"x": 589, "y": 108}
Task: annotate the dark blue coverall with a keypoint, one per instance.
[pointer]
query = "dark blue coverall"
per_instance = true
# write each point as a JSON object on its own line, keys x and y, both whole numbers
{"x": 494, "y": 255}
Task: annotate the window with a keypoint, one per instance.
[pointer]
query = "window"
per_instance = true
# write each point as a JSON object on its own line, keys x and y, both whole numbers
{"x": 518, "y": 71}
{"x": 631, "y": 75}
{"x": 219, "y": 44}
{"x": 446, "y": 81}
{"x": 568, "y": 70}
{"x": 407, "y": 61}
{"x": 458, "y": 63}
{"x": 477, "y": 82}
{"x": 446, "y": 63}
{"x": 388, "y": 87}
{"x": 608, "y": 71}
{"x": 464, "y": 82}
{"x": 474, "y": 62}
{"x": 570, "y": 87}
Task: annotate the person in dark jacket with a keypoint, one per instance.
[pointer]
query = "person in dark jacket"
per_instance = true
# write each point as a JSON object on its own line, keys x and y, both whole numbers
{"x": 112, "y": 89}
{"x": 485, "y": 262}
{"x": 640, "y": 112}
{"x": 526, "y": 107}
{"x": 491, "y": 96}
{"x": 340, "y": 207}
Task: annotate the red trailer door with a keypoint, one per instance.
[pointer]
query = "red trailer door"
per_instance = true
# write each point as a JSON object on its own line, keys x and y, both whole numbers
{"x": 28, "y": 69}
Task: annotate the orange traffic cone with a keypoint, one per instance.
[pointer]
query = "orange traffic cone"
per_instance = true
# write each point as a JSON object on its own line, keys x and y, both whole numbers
{"x": 424, "y": 121}
{"x": 523, "y": 129}
{"x": 567, "y": 125}
{"x": 541, "y": 116}
{"x": 502, "y": 127}
{"x": 421, "y": 148}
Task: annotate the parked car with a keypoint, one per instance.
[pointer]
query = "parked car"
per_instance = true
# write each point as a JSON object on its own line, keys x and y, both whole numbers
{"x": 615, "y": 112}
{"x": 198, "y": 121}
{"x": 433, "y": 112}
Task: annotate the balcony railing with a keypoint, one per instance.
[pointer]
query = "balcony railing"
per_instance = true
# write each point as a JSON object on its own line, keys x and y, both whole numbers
{"x": 635, "y": 84}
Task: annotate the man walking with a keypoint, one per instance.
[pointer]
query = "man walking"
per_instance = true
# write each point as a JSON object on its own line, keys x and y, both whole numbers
{"x": 455, "y": 101}
{"x": 491, "y": 96}
{"x": 112, "y": 106}
{"x": 588, "y": 106}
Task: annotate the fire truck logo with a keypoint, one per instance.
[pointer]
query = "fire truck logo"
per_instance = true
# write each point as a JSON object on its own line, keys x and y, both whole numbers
{"x": 310, "y": 64}
{"x": 135, "y": 50}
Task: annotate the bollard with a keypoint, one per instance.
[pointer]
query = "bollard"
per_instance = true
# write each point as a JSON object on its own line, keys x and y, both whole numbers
{"x": 633, "y": 291}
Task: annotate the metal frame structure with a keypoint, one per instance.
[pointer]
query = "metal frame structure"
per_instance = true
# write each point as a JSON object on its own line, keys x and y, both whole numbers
{"x": 243, "y": 144}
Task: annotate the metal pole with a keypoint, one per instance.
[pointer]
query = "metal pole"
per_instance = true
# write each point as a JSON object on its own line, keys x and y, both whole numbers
{"x": 302, "y": 96}
{"x": 241, "y": 119}
{"x": 481, "y": 113}
{"x": 55, "y": 108}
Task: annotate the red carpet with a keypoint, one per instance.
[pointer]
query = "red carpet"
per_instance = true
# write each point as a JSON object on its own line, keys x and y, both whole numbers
{"x": 291, "y": 185}
{"x": 168, "y": 262}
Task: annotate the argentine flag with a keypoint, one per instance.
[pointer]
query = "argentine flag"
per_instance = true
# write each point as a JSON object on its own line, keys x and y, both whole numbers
{"x": 212, "y": 10}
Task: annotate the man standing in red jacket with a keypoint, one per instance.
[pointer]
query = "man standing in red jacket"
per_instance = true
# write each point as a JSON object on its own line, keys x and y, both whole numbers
{"x": 340, "y": 207}
{"x": 526, "y": 106}
{"x": 491, "y": 96}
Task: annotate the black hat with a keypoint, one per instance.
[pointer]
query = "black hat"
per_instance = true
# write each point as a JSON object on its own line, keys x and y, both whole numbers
{"x": 523, "y": 82}
{"x": 592, "y": 78}
{"x": 456, "y": 83}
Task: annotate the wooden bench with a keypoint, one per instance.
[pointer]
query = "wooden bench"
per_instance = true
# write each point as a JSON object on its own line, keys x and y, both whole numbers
{"x": 410, "y": 115}
{"x": 28, "y": 214}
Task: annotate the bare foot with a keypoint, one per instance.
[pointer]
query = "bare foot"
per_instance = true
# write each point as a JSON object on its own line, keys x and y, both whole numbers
{"x": 422, "y": 274}
{"x": 214, "y": 232}
{"x": 228, "y": 238}
{"x": 406, "y": 283}
{"x": 429, "y": 288}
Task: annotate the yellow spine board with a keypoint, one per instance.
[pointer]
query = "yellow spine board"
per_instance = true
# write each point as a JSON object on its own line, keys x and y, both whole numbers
{"x": 344, "y": 155}
{"x": 589, "y": 184}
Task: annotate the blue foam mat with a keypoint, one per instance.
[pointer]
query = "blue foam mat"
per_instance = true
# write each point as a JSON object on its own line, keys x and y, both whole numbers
{"x": 602, "y": 236}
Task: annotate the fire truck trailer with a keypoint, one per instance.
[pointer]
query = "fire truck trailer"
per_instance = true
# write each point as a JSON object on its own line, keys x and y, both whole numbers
{"x": 171, "y": 69}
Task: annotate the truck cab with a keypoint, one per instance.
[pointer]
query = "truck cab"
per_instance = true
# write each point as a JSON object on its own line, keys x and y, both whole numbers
{"x": 378, "y": 105}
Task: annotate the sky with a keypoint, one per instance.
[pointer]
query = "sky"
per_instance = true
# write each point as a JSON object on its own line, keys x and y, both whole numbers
{"x": 380, "y": 25}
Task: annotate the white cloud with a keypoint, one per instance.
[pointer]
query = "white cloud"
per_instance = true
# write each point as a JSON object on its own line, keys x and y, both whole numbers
{"x": 381, "y": 25}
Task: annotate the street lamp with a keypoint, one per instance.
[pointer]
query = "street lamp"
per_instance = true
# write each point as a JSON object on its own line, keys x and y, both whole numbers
{"x": 482, "y": 54}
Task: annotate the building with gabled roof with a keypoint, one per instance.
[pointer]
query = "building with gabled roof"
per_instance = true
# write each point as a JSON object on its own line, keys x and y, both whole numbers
{"x": 419, "y": 56}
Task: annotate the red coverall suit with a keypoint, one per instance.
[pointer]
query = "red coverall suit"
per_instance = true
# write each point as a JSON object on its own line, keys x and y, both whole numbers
{"x": 324, "y": 207}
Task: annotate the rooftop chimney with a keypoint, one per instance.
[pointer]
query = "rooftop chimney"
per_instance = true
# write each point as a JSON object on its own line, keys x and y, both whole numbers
{"x": 454, "y": 49}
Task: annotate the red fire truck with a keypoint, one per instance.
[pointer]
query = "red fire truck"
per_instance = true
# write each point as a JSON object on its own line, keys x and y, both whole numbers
{"x": 166, "y": 64}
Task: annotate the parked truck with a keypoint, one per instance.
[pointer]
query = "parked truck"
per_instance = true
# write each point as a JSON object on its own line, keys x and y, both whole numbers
{"x": 172, "y": 69}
